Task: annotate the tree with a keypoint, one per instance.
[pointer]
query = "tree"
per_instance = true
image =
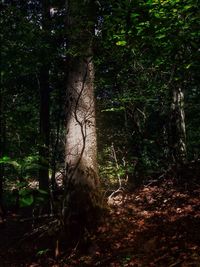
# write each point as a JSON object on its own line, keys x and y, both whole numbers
{"x": 177, "y": 126}
{"x": 82, "y": 181}
{"x": 2, "y": 146}
{"x": 44, "y": 100}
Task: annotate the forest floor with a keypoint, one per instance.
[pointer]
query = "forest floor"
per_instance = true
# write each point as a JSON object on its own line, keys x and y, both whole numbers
{"x": 156, "y": 226}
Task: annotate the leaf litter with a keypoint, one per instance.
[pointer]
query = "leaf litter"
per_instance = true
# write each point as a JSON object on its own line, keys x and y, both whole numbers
{"x": 155, "y": 226}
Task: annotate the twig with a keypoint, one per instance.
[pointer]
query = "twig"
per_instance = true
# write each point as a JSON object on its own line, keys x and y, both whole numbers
{"x": 41, "y": 229}
{"x": 117, "y": 165}
{"x": 175, "y": 263}
{"x": 38, "y": 217}
{"x": 121, "y": 189}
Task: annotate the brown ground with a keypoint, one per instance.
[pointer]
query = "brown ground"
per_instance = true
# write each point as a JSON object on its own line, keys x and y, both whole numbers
{"x": 156, "y": 226}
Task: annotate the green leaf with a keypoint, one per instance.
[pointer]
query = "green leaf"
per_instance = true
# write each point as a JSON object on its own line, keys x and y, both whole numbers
{"x": 42, "y": 252}
{"x": 25, "y": 192}
{"x": 188, "y": 66}
{"x": 26, "y": 200}
{"x": 121, "y": 43}
{"x": 161, "y": 36}
{"x": 187, "y": 7}
{"x": 135, "y": 15}
{"x": 21, "y": 184}
{"x": 42, "y": 192}
{"x": 5, "y": 160}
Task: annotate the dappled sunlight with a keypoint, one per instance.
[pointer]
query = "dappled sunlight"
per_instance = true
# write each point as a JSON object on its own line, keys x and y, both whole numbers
{"x": 100, "y": 133}
{"x": 156, "y": 223}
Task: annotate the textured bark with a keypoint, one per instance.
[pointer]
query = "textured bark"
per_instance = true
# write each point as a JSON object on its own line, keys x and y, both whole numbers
{"x": 81, "y": 206}
{"x": 178, "y": 132}
{"x": 82, "y": 197}
{"x": 81, "y": 145}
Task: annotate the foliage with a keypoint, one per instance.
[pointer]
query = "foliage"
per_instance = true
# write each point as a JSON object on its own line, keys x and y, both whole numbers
{"x": 21, "y": 175}
{"x": 25, "y": 168}
{"x": 24, "y": 46}
{"x": 148, "y": 49}
{"x": 142, "y": 50}
{"x": 32, "y": 197}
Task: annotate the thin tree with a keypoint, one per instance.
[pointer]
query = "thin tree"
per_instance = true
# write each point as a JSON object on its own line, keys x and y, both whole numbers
{"x": 177, "y": 123}
{"x": 2, "y": 151}
{"x": 44, "y": 105}
{"x": 177, "y": 131}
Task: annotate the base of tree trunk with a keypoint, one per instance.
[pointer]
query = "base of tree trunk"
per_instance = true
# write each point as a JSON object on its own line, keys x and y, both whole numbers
{"x": 82, "y": 210}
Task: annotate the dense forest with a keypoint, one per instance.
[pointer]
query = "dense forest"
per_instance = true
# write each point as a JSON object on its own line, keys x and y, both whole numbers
{"x": 100, "y": 133}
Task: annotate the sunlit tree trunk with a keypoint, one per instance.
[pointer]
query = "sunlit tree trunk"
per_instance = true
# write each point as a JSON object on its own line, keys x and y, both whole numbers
{"x": 81, "y": 205}
{"x": 177, "y": 121}
{"x": 81, "y": 145}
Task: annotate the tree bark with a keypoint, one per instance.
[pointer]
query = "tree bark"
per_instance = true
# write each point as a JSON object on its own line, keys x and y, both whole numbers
{"x": 2, "y": 151}
{"x": 82, "y": 182}
{"x": 44, "y": 108}
{"x": 44, "y": 130}
{"x": 177, "y": 123}
{"x": 82, "y": 200}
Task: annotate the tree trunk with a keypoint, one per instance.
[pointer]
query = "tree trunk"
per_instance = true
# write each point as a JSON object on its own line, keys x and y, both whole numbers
{"x": 81, "y": 205}
{"x": 44, "y": 108}
{"x": 1, "y": 144}
{"x": 81, "y": 163}
{"x": 2, "y": 151}
{"x": 44, "y": 130}
{"x": 177, "y": 123}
